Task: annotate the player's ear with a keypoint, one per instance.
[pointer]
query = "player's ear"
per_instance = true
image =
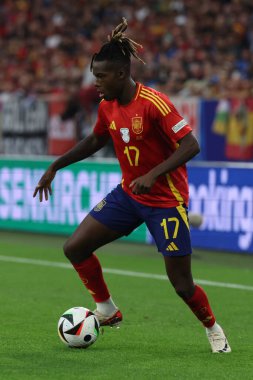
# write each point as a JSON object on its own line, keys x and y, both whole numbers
{"x": 123, "y": 72}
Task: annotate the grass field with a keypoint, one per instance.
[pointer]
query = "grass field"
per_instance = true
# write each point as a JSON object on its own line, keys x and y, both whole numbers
{"x": 159, "y": 339}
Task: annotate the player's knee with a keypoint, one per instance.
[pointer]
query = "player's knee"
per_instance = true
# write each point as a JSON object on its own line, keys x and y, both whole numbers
{"x": 185, "y": 292}
{"x": 73, "y": 252}
{"x": 68, "y": 250}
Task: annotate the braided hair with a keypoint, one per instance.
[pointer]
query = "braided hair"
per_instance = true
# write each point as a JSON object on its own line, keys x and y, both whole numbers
{"x": 118, "y": 48}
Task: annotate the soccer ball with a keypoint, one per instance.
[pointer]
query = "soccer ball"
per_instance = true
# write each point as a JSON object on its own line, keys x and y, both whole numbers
{"x": 78, "y": 327}
{"x": 195, "y": 219}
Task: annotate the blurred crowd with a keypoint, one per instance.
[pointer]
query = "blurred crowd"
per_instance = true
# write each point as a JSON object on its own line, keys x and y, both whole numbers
{"x": 191, "y": 47}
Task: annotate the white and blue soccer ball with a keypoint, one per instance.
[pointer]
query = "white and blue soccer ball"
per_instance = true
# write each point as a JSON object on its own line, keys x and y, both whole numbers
{"x": 78, "y": 327}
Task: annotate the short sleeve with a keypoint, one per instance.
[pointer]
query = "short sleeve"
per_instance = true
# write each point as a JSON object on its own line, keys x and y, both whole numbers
{"x": 171, "y": 122}
{"x": 101, "y": 126}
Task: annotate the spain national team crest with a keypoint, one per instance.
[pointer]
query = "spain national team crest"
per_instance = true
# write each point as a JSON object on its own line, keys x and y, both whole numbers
{"x": 137, "y": 125}
{"x": 100, "y": 205}
{"x": 125, "y": 134}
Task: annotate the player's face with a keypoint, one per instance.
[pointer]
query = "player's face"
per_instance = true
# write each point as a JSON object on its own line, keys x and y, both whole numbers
{"x": 109, "y": 79}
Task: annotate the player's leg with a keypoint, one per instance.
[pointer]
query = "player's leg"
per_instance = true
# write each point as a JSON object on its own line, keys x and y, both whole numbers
{"x": 109, "y": 220}
{"x": 79, "y": 249}
{"x": 179, "y": 273}
{"x": 178, "y": 269}
{"x": 170, "y": 230}
{"x": 88, "y": 237}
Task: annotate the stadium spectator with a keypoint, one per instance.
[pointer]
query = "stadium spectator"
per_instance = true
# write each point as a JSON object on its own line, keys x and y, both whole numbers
{"x": 192, "y": 48}
{"x": 187, "y": 43}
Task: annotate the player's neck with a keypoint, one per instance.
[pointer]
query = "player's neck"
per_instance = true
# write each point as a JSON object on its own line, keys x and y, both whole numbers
{"x": 128, "y": 92}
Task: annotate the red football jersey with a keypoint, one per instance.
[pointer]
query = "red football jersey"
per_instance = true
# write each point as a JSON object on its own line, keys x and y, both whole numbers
{"x": 145, "y": 133}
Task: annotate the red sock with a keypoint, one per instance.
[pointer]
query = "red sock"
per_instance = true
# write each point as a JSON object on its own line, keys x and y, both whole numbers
{"x": 90, "y": 272}
{"x": 199, "y": 305}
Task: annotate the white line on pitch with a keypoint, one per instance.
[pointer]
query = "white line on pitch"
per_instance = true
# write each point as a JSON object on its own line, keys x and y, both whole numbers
{"x": 23, "y": 260}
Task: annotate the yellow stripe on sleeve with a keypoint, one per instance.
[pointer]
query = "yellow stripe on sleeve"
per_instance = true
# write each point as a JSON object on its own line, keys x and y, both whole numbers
{"x": 162, "y": 103}
{"x": 164, "y": 113}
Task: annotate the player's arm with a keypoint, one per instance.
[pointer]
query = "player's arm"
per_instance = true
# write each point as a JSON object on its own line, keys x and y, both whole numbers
{"x": 188, "y": 148}
{"x": 85, "y": 148}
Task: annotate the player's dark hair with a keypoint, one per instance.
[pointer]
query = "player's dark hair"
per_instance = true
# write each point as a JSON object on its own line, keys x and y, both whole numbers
{"x": 119, "y": 48}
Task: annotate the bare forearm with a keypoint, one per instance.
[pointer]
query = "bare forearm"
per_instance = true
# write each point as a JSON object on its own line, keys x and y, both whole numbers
{"x": 82, "y": 150}
{"x": 185, "y": 152}
{"x": 188, "y": 148}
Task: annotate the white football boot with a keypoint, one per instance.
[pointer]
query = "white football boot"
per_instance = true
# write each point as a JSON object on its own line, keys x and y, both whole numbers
{"x": 112, "y": 320}
{"x": 218, "y": 341}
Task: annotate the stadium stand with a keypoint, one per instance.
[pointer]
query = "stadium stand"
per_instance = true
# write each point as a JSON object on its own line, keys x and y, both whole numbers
{"x": 191, "y": 48}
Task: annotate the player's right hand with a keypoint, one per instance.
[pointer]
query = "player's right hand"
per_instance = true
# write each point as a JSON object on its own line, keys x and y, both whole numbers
{"x": 44, "y": 185}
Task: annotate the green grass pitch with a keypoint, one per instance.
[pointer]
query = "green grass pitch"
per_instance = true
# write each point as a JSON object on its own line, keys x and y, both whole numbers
{"x": 160, "y": 337}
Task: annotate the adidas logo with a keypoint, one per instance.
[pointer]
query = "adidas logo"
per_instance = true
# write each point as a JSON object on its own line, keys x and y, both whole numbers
{"x": 172, "y": 247}
{"x": 113, "y": 126}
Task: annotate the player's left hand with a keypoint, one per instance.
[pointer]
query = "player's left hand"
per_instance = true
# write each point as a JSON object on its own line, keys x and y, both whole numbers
{"x": 143, "y": 184}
